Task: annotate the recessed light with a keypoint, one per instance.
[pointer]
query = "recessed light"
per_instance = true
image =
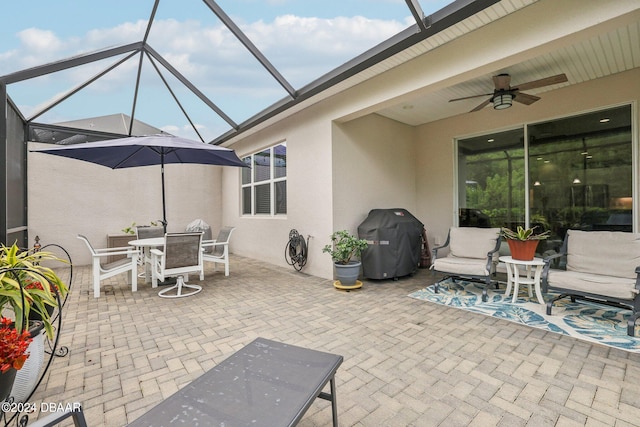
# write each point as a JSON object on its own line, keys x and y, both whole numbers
{"x": 490, "y": 140}
{"x": 589, "y": 157}
{"x": 584, "y": 153}
{"x": 547, "y": 161}
{"x": 605, "y": 120}
{"x": 407, "y": 107}
{"x": 539, "y": 158}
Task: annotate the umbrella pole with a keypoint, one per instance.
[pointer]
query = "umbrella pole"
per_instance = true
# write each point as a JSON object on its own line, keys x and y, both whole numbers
{"x": 164, "y": 208}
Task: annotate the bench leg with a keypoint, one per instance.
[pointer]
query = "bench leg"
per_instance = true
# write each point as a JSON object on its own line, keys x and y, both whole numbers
{"x": 334, "y": 406}
{"x": 331, "y": 396}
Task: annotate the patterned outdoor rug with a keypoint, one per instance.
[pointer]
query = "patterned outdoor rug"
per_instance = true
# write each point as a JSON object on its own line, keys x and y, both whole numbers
{"x": 596, "y": 323}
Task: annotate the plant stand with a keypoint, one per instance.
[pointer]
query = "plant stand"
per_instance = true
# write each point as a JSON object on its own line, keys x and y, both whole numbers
{"x": 338, "y": 285}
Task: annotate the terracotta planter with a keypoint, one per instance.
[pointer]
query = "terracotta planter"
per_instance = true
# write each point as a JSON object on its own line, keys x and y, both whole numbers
{"x": 523, "y": 250}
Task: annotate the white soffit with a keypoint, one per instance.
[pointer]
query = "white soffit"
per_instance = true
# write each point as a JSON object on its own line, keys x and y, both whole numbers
{"x": 609, "y": 53}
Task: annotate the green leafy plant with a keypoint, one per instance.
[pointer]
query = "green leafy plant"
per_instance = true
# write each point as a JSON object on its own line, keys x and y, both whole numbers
{"x": 132, "y": 228}
{"x": 524, "y": 234}
{"x": 22, "y": 276}
{"x": 344, "y": 246}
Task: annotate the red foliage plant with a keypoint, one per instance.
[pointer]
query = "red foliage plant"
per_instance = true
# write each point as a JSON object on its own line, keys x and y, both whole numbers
{"x": 38, "y": 285}
{"x": 13, "y": 346}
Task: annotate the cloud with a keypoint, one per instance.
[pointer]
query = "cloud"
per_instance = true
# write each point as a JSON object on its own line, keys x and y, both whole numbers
{"x": 39, "y": 41}
{"x": 289, "y": 40}
{"x": 36, "y": 47}
{"x": 301, "y": 48}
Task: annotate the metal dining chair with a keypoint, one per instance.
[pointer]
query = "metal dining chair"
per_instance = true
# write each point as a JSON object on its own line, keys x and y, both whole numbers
{"x": 181, "y": 255}
{"x": 147, "y": 232}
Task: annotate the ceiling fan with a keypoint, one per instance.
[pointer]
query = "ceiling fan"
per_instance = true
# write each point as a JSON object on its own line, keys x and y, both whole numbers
{"x": 504, "y": 94}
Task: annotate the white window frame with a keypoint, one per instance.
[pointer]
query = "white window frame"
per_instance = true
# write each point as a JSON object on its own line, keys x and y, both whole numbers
{"x": 271, "y": 181}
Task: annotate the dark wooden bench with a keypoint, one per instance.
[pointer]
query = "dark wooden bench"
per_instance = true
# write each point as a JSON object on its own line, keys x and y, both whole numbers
{"x": 266, "y": 383}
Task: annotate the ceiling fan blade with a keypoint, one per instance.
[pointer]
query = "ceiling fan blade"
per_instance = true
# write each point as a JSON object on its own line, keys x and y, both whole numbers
{"x": 560, "y": 78}
{"x": 525, "y": 98}
{"x": 481, "y": 106}
{"x": 502, "y": 81}
{"x": 470, "y": 97}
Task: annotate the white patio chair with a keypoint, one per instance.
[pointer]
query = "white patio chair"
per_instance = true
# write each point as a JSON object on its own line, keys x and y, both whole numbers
{"x": 217, "y": 251}
{"x": 181, "y": 255}
{"x": 103, "y": 270}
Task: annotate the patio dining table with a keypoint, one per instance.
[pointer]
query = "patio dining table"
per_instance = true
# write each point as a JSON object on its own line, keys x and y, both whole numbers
{"x": 146, "y": 245}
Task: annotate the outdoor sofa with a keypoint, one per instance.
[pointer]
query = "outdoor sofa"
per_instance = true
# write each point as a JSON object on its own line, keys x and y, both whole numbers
{"x": 603, "y": 266}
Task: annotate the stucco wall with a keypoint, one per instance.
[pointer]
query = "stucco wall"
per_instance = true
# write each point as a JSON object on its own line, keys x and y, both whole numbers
{"x": 435, "y": 141}
{"x": 373, "y": 168}
{"x": 336, "y": 173}
{"x": 309, "y": 205}
{"x": 69, "y": 197}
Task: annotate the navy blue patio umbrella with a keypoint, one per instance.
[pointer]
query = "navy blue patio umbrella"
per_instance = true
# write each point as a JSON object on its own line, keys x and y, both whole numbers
{"x": 149, "y": 150}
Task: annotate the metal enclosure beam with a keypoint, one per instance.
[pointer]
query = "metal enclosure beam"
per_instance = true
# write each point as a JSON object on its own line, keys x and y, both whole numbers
{"x": 445, "y": 18}
{"x": 190, "y": 85}
{"x": 65, "y": 64}
{"x": 3, "y": 163}
{"x": 417, "y": 13}
{"x": 250, "y": 46}
{"x": 78, "y": 88}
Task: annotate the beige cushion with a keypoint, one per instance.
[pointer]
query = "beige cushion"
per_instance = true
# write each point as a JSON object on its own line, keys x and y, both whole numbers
{"x": 462, "y": 266}
{"x": 605, "y": 253}
{"x": 608, "y": 286}
{"x": 471, "y": 242}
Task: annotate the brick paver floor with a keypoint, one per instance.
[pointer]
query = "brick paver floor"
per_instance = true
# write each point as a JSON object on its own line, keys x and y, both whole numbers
{"x": 406, "y": 362}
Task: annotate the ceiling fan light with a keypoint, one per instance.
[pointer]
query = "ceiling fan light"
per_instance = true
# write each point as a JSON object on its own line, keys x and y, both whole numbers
{"x": 502, "y": 101}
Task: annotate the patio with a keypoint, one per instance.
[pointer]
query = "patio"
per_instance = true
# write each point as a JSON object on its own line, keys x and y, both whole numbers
{"x": 406, "y": 362}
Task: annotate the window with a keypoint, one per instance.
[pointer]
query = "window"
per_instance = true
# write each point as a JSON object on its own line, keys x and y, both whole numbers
{"x": 575, "y": 172}
{"x": 491, "y": 179}
{"x": 264, "y": 186}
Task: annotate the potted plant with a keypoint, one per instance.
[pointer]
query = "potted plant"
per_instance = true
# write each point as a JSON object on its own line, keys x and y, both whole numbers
{"x": 13, "y": 354}
{"x": 523, "y": 242}
{"x": 343, "y": 249}
{"x": 29, "y": 294}
{"x": 130, "y": 229}
{"x": 28, "y": 288}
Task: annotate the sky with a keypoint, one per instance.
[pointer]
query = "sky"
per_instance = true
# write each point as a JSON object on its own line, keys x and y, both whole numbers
{"x": 303, "y": 39}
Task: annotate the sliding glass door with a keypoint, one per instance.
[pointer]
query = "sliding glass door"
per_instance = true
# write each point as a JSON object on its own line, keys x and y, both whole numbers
{"x": 574, "y": 172}
{"x": 491, "y": 178}
{"x": 581, "y": 172}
